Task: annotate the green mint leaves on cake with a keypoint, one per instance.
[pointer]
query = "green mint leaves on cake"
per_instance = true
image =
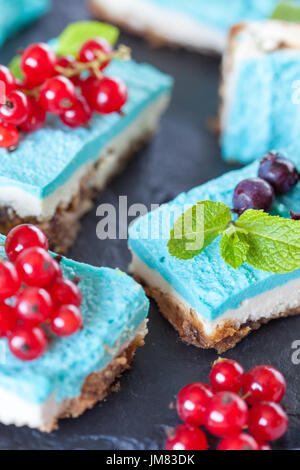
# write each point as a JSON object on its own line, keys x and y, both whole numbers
{"x": 71, "y": 39}
{"x": 270, "y": 243}
{"x": 286, "y": 11}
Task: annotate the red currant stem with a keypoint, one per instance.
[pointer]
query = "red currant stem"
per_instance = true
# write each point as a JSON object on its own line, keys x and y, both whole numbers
{"x": 247, "y": 395}
{"x": 122, "y": 53}
{"x": 76, "y": 280}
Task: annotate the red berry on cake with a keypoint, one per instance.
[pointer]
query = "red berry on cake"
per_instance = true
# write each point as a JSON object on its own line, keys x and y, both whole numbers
{"x": 90, "y": 48}
{"x": 35, "y": 267}
{"x": 8, "y": 319}
{"x": 78, "y": 115}
{"x": 27, "y": 343}
{"x": 38, "y": 62}
{"x": 9, "y": 136}
{"x": 22, "y": 237}
{"x": 192, "y": 403}
{"x": 108, "y": 95}
{"x": 16, "y": 109}
{"x": 9, "y": 280}
{"x": 57, "y": 95}
{"x": 7, "y": 77}
{"x": 65, "y": 292}
{"x": 36, "y": 117}
{"x": 66, "y": 321}
{"x": 34, "y": 306}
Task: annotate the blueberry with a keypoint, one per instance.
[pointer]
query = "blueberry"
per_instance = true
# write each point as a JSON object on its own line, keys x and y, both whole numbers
{"x": 280, "y": 172}
{"x": 254, "y": 193}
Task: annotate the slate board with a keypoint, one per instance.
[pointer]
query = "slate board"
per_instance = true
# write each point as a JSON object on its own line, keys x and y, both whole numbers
{"x": 183, "y": 155}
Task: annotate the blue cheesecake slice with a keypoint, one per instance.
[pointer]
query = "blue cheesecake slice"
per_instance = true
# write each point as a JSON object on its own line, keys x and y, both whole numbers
{"x": 195, "y": 24}
{"x": 78, "y": 371}
{"x": 51, "y": 179}
{"x": 17, "y": 14}
{"x": 260, "y": 89}
{"x": 209, "y": 303}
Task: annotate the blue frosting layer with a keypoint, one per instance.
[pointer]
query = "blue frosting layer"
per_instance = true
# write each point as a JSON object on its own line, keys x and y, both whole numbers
{"x": 206, "y": 282}
{"x": 114, "y": 305}
{"x": 46, "y": 159}
{"x": 218, "y": 13}
{"x": 15, "y": 14}
{"x": 263, "y": 114}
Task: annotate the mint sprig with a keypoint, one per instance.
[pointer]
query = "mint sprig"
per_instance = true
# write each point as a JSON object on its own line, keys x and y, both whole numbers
{"x": 286, "y": 11}
{"x": 269, "y": 243}
{"x": 72, "y": 38}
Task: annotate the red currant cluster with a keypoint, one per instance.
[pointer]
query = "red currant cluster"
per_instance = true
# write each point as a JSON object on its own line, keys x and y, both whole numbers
{"x": 34, "y": 294}
{"x": 223, "y": 409}
{"x": 55, "y": 84}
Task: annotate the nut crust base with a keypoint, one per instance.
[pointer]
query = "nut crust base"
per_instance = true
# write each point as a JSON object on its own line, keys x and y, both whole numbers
{"x": 98, "y": 385}
{"x": 190, "y": 329}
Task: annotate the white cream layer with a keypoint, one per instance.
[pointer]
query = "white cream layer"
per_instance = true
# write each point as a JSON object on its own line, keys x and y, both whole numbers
{"x": 27, "y": 205}
{"x": 265, "y": 305}
{"x": 15, "y": 410}
{"x": 178, "y": 28}
{"x": 253, "y": 41}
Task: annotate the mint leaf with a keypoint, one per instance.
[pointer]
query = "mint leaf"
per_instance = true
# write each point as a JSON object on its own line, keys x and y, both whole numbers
{"x": 234, "y": 247}
{"x": 71, "y": 39}
{"x": 286, "y": 12}
{"x": 274, "y": 242}
{"x": 197, "y": 228}
{"x": 15, "y": 66}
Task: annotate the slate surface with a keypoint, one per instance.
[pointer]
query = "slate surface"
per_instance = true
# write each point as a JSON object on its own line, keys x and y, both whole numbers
{"x": 183, "y": 155}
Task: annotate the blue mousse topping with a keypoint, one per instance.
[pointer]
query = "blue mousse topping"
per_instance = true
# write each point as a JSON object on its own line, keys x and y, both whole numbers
{"x": 218, "y": 13}
{"x": 113, "y": 307}
{"x": 15, "y": 14}
{"x": 206, "y": 282}
{"x": 48, "y": 158}
{"x": 263, "y": 114}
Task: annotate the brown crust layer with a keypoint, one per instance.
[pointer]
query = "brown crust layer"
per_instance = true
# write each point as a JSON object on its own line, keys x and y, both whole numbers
{"x": 152, "y": 37}
{"x": 63, "y": 227}
{"x": 98, "y": 385}
{"x": 191, "y": 330}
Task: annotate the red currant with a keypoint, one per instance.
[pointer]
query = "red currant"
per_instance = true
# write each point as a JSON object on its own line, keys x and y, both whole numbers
{"x": 9, "y": 280}
{"x": 186, "y": 437}
{"x": 9, "y": 136}
{"x": 78, "y": 115}
{"x": 36, "y": 118}
{"x": 65, "y": 292}
{"x": 57, "y": 95}
{"x": 267, "y": 421}
{"x": 22, "y": 237}
{"x": 8, "y": 79}
{"x": 89, "y": 49}
{"x": 107, "y": 95}
{"x": 264, "y": 383}
{"x": 38, "y": 62}
{"x": 227, "y": 375}
{"x": 34, "y": 306}
{"x": 241, "y": 442}
{"x": 192, "y": 402}
{"x": 16, "y": 109}
{"x": 36, "y": 267}
{"x": 66, "y": 321}
{"x": 27, "y": 343}
{"x": 227, "y": 414}
{"x": 8, "y": 319}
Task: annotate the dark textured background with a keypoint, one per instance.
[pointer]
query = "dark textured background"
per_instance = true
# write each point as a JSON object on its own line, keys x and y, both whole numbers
{"x": 183, "y": 155}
